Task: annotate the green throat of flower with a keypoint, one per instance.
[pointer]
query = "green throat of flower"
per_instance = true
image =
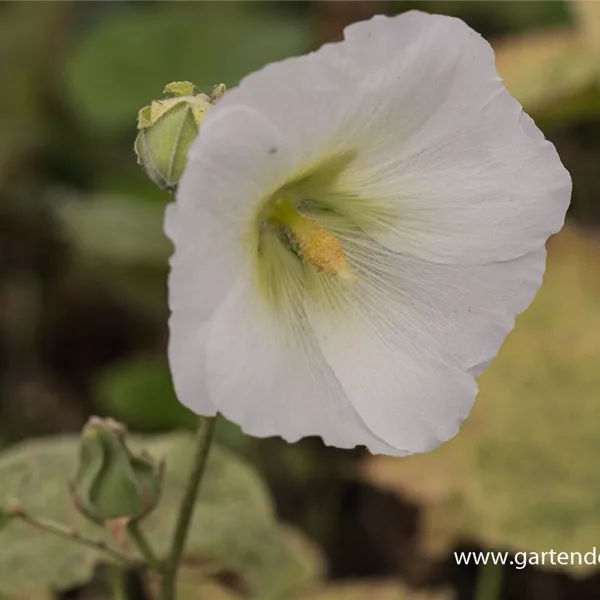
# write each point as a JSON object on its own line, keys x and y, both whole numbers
{"x": 297, "y": 256}
{"x": 304, "y": 238}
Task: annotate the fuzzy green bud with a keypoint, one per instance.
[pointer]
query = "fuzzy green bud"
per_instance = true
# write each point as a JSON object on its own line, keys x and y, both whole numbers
{"x": 111, "y": 482}
{"x": 167, "y": 128}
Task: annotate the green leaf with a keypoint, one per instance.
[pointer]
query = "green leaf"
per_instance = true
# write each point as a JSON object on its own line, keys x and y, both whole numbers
{"x": 126, "y": 61}
{"x": 309, "y": 560}
{"x": 496, "y": 16}
{"x": 234, "y": 525}
{"x": 24, "y": 49}
{"x": 549, "y": 72}
{"x": 114, "y": 229}
{"x": 139, "y": 392}
{"x": 119, "y": 239}
{"x": 5, "y": 517}
{"x": 196, "y": 580}
{"x": 588, "y": 21}
{"x": 208, "y": 590}
{"x": 523, "y": 472}
{"x": 33, "y": 594}
{"x": 375, "y": 590}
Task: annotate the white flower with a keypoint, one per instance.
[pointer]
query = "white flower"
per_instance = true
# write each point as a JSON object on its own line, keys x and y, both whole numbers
{"x": 354, "y": 234}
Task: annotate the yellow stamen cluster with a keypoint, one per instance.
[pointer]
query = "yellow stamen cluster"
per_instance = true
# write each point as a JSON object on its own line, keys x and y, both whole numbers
{"x": 317, "y": 245}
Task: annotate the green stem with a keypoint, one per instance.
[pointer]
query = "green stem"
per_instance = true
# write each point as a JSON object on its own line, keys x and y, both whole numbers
{"x": 489, "y": 582}
{"x": 117, "y": 582}
{"x": 143, "y": 545}
{"x": 202, "y": 445}
{"x": 70, "y": 534}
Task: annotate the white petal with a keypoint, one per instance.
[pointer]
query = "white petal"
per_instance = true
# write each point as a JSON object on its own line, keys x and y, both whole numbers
{"x": 208, "y": 224}
{"x": 468, "y": 310}
{"x": 405, "y": 392}
{"x": 267, "y": 374}
{"x": 234, "y": 164}
{"x": 187, "y": 358}
{"x": 434, "y": 134}
{"x": 412, "y": 334}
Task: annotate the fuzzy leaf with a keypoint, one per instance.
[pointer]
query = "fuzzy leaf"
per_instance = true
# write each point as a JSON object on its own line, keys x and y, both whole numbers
{"x": 234, "y": 525}
{"x": 197, "y": 581}
{"x": 309, "y": 561}
{"x": 377, "y": 590}
{"x": 208, "y": 590}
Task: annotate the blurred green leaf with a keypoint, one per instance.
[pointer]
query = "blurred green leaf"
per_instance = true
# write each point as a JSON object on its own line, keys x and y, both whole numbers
{"x": 549, "y": 72}
{"x": 116, "y": 229}
{"x": 5, "y": 517}
{"x": 188, "y": 589}
{"x": 522, "y": 474}
{"x": 587, "y": 13}
{"x": 200, "y": 581}
{"x": 206, "y": 590}
{"x": 231, "y": 436}
{"x": 234, "y": 525}
{"x": 139, "y": 392}
{"x": 24, "y": 31}
{"x": 120, "y": 240}
{"x": 375, "y": 590}
{"x": 309, "y": 560}
{"x": 555, "y": 73}
{"x": 126, "y": 61}
{"x": 43, "y": 593}
{"x": 495, "y": 17}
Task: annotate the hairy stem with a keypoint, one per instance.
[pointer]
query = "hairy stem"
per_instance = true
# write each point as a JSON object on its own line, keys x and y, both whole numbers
{"x": 489, "y": 582}
{"x": 117, "y": 581}
{"x": 143, "y": 545}
{"x": 202, "y": 444}
{"x": 70, "y": 534}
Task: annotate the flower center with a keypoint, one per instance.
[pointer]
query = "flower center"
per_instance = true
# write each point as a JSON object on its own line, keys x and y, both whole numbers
{"x": 314, "y": 243}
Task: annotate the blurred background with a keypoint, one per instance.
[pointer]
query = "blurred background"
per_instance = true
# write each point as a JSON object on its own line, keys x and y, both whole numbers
{"x": 83, "y": 313}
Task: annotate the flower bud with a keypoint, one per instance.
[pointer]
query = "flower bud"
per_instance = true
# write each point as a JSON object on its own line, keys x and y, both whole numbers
{"x": 111, "y": 482}
{"x": 166, "y": 129}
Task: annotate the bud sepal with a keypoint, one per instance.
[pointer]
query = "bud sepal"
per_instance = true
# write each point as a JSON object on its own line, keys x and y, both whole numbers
{"x": 112, "y": 484}
{"x": 167, "y": 128}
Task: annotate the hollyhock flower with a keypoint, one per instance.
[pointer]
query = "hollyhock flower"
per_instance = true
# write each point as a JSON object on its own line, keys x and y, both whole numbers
{"x": 355, "y": 231}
